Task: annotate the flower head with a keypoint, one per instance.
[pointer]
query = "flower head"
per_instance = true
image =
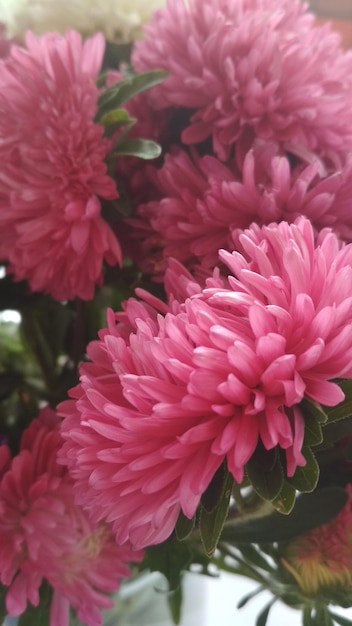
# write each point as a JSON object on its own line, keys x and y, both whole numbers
{"x": 167, "y": 398}
{"x": 251, "y": 67}
{"x": 53, "y": 172}
{"x": 322, "y": 559}
{"x": 44, "y": 535}
{"x": 201, "y": 201}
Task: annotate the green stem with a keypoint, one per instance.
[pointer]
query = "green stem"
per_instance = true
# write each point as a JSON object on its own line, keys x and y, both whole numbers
{"x": 252, "y": 507}
{"x": 79, "y": 333}
{"x": 244, "y": 569}
{"x": 39, "y": 347}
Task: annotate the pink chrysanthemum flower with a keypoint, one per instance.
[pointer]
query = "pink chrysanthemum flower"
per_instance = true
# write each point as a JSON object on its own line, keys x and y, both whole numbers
{"x": 166, "y": 399}
{"x": 257, "y": 66}
{"x": 52, "y": 166}
{"x": 322, "y": 559}
{"x": 202, "y": 200}
{"x": 44, "y": 535}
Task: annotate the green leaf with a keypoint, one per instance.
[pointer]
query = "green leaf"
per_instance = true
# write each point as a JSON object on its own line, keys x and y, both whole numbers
{"x": 305, "y": 478}
{"x": 212, "y": 495}
{"x": 211, "y": 524}
{"x": 251, "y": 554}
{"x": 335, "y": 431}
{"x": 342, "y": 621}
{"x": 315, "y": 410}
{"x": 314, "y": 416}
{"x": 174, "y": 599}
{"x": 115, "y": 119}
{"x": 184, "y": 527}
{"x": 311, "y": 510}
{"x": 344, "y": 598}
{"x": 119, "y": 93}
{"x": 292, "y": 598}
{"x": 265, "y": 472}
{"x": 264, "y": 614}
{"x": 170, "y": 558}
{"x": 142, "y": 148}
{"x": 344, "y": 409}
{"x": 286, "y": 499}
{"x": 249, "y": 596}
{"x": 341, "y": 597}
{"x": 116, "y": 116}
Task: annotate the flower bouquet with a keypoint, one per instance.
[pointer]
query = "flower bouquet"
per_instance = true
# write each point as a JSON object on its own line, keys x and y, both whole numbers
{"x": 176, "y": 235}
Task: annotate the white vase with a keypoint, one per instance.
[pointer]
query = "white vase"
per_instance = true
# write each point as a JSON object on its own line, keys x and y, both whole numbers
{"x": 143, "y": 602}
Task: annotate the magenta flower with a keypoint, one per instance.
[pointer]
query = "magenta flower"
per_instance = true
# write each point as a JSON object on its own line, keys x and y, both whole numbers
{"x": 44, "y": 535}
{"x": 167, "y": 398}
{"x": 172, "y": 226}
{"x": 52, "y": 166}
{"x": 202, "y": 200}
{"x": 251, "y": 67}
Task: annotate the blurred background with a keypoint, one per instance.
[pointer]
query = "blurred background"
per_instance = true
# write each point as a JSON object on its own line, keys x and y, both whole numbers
{"x": 340, "y": 13}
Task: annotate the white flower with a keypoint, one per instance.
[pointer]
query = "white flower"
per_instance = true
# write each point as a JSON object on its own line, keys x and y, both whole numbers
{"x": 119, "y": 20}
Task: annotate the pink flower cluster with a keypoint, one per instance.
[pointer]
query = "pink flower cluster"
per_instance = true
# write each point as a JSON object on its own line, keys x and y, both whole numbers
{"x": 53, "y": 175}
{"x": 201, "y": 201}
{"x": 45, "y": 536}
{"x": 256, "y": 176}
{"x": 251, "y": 68}
{"x": 259, "y": 96}
{"x": 167, "y": 398}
